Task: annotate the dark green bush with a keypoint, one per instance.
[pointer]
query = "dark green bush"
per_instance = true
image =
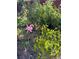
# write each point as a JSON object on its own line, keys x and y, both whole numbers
{"x": 44, "y": 14}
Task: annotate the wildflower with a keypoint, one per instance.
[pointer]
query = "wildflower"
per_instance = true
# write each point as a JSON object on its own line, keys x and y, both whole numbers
{"x": 29, "y": 28}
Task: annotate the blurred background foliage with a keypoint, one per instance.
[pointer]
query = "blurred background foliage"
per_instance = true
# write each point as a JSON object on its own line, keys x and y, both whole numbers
{"x": 45, "y": 39}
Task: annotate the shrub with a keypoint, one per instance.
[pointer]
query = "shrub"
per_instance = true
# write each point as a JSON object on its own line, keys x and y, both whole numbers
{"x": 48, "y": 43}
{"x": 44, "y": 14}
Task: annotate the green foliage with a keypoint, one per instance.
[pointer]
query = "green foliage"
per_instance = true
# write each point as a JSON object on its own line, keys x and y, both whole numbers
{"x": 23, "y": 43}
{"x": 21, "y": 31}
{"x": 44, "y": 14}
{"x": 48, "y": 43}
{"x": 22, "y": 18}
{"x": 22, "y": 21}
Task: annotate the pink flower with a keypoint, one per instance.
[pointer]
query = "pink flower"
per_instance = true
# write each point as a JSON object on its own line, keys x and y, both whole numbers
{"x": 29, "y": 28}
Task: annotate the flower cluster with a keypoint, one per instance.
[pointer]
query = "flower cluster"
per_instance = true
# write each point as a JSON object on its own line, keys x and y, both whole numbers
{"x": 29, "y": 28}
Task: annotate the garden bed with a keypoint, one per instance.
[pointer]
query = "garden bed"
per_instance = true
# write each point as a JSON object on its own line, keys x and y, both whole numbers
{"x": 38, "y": 30}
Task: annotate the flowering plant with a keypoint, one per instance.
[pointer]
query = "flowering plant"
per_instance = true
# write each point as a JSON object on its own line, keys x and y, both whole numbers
{"x": 29, "y": 28}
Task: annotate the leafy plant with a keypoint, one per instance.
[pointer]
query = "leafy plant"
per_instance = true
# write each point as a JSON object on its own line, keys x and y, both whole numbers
{"x": 22, "y": 22}
{"x": 48, "y": 43}
{"x": 44, "y": 14}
